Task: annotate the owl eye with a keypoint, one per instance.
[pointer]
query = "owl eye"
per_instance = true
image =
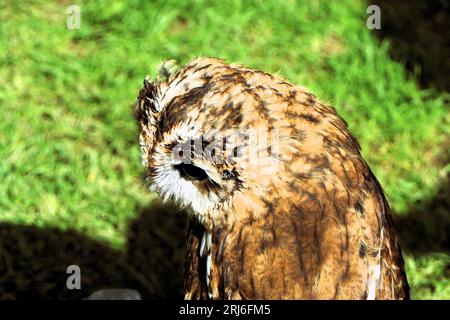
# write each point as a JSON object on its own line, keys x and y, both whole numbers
{"x": 191, "y": 172}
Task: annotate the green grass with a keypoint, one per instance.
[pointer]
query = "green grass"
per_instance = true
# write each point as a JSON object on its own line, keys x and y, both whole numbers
{"x": 68, "y": 143}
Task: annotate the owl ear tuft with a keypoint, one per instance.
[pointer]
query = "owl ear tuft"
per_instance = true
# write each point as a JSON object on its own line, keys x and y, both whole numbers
{"x": 148, "y": 94}
{"x": 147, "y": 102}
{"x": 150, "y": 89}
{"x": 166, "y": 69}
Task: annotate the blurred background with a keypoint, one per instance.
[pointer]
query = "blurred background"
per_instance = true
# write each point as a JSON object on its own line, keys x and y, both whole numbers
{"x": 71, "y": 188}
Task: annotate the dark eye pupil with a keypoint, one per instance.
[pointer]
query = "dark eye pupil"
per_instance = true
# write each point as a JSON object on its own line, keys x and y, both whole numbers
{"x": 191, "y": 172}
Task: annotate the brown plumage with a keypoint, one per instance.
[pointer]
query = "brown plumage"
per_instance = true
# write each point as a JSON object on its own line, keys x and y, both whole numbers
{"x": 294, "y": 213}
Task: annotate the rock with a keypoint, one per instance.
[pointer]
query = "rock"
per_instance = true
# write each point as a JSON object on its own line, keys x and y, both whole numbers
{"x": 115, "y": 294}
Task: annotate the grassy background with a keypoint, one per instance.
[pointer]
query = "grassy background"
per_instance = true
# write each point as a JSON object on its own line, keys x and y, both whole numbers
{"x": 71, "y": 181}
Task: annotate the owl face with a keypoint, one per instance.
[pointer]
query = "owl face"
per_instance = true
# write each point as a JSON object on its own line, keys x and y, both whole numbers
{"x": 200, "y": 147}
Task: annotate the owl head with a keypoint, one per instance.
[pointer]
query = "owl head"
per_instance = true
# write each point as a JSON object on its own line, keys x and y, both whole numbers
{"x": 223, "y": 140}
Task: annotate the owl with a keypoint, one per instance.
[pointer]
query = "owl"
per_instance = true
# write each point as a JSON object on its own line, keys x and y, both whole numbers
{"x": 281, "y": 203}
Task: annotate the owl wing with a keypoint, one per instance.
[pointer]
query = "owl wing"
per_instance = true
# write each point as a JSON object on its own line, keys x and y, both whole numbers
{"x": 337, "y": 243}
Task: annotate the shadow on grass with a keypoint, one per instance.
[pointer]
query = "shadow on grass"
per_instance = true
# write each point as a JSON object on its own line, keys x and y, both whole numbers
{"x": 418, "y": 32}
{"x": 427, "y": 228}
{"x": 419, "y": 36}
{"x": 33, "y": 261}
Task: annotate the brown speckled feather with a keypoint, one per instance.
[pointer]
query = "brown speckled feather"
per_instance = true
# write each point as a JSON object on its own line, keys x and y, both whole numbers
{"x": 307, "y": 220}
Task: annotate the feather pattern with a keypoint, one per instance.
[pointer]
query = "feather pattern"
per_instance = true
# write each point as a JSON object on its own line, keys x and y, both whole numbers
{"x": 283, "y": 205}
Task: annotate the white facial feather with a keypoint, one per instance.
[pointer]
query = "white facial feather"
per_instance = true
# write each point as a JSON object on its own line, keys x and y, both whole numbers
{"x": 172, "y": 186}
